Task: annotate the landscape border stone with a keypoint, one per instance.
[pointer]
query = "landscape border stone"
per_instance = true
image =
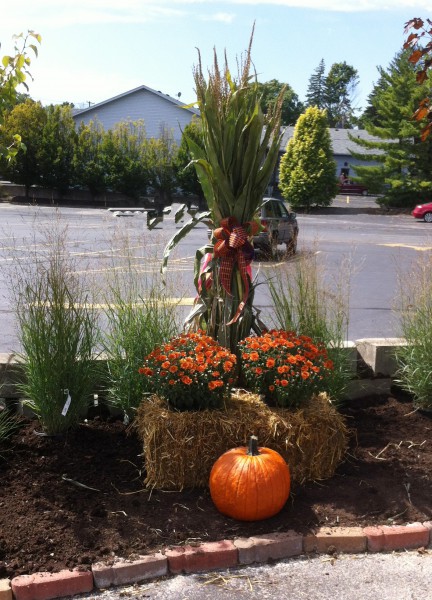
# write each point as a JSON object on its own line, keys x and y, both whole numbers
{"x": 212, "y": 556}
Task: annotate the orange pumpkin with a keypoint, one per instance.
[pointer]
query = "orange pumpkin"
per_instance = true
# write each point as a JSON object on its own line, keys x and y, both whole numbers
{"x": 250, "y": 484}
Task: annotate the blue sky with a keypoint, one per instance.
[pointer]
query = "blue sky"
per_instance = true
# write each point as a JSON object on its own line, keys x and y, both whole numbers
{"x": 93, "y": 50}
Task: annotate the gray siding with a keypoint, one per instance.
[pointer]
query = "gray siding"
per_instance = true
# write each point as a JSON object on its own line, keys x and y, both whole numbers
{"x": 156, "y": 110}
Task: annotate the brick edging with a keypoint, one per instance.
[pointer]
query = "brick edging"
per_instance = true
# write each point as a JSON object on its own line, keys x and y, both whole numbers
{"x": 217, "y": 555}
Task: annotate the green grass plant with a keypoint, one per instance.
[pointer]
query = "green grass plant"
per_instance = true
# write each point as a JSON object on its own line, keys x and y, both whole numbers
{"x": 140, "y": 313}
{"x": 8, "y": 423}
{"x": 57, "y": 329}
{"x": 414, "y": 357}
{"x": 307, "y": 301}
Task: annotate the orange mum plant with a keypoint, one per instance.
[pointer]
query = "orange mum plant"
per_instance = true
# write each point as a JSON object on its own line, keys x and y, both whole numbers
{"x": 192, "y": 371}
{"x": 284, "y": 367}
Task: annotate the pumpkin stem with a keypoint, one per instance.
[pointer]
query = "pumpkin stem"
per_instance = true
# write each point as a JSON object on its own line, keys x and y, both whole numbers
{"x": 253, "y": 446}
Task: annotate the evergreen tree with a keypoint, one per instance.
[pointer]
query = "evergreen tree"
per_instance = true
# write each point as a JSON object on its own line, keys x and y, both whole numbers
{"x": 404, "y": 172}
{"x": 315, "y": 95}
{"x": 307, "y": 170}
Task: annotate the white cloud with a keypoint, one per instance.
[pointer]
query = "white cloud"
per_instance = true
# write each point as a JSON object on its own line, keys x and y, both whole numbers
{"x": 40, "y": 13}
{"x": 221, "y": 17}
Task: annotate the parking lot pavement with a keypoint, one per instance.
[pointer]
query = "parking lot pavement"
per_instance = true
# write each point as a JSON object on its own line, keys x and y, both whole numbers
{"x": 393, "y": 576}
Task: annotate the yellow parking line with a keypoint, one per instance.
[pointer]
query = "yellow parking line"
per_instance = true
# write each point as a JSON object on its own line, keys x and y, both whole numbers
{"x": 417, "y": 248}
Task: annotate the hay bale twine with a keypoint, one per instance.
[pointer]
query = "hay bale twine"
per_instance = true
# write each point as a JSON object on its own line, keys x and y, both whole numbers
{"x": 180, "y": 448}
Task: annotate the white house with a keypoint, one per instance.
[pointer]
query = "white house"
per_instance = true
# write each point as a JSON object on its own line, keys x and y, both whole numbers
{"x": 158, "y": 111}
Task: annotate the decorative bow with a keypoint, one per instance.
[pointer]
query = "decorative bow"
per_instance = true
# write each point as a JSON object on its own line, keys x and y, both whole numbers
{"x": 233, "y": 246}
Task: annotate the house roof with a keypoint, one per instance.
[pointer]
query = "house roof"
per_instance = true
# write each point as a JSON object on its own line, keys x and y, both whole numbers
{"x": 341, "y": 143}
{"x": 145, "y": 88}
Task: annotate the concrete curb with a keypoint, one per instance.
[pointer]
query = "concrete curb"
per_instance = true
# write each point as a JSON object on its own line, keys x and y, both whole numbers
{"x": 218, "y": 555}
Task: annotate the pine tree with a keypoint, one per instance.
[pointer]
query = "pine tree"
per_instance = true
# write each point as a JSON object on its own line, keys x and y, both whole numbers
{"x": 404, "y": 172}
{"x": 308, "y": 170}
{"x": 315, "y": 95}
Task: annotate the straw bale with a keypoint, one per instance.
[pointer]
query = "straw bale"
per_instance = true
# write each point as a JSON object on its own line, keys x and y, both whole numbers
{"x": 180, "y": 448}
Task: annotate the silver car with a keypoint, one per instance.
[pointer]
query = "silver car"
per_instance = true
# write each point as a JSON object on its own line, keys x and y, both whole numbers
{"x": 279, "y": 227}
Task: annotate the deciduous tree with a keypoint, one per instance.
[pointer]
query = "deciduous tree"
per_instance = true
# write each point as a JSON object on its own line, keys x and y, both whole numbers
{"x": 14, "y": 72}
{"x": 292, "y": 108}
{"x": 29, "y": 118}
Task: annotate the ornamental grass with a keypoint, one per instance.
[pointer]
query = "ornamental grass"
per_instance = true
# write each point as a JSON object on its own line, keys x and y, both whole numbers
{"x": 180, "y": 448}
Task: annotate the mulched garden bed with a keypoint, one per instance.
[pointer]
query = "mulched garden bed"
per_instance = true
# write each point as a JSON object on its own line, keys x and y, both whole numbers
{"x": 47, "y": 522}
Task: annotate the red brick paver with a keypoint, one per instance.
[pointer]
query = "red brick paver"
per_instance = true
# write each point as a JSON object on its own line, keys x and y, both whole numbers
{"x": 205, "y": 557}
{"x": 273, "y": 546}
{"x": 336, "y": 539}
{"x": 43, "y": 586}
{"x": 124, "y": 572}
{"x": 396, "y": 537}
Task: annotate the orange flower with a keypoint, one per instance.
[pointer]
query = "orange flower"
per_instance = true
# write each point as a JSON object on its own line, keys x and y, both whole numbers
{"x": 165, "y": 364}
{"x": 228, "y": 365}
{"x": 173, "y": 369}
{"x": 145, "y": 371}
{"x": 258, "y": 370}
{"x": 254, "y": 356}
{"x": 305, "y": 374}
{"x": 270, "y": 363}
{"x": 172, "y": 382}
{"x": 186, "y": 380}
{"x": 284, "y": 382}
{"x": 271, "y": 388}
{"x": 215, "y": 374}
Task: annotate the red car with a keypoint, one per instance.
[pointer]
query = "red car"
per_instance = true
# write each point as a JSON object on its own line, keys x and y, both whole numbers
{"x": 423, "y": 211}
{"x": 350, "y": 187}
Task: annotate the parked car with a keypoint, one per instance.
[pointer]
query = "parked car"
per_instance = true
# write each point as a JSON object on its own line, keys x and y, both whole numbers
{"x": 350, "y": 187}
{"x": 279, "y": 226}
{"x": 423, "y": 211}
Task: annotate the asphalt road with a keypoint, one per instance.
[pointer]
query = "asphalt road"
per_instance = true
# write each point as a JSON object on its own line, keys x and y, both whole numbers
{"x": 395, "y": 576}
{"x": 379, "y": 249}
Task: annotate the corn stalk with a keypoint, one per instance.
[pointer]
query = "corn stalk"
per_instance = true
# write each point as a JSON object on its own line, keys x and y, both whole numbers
{"x": 234, "y": 165}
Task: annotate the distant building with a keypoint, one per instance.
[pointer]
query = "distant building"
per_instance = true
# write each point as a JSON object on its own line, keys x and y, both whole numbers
{"x": 158, "y": 111}
{"x": 342, "y": 147}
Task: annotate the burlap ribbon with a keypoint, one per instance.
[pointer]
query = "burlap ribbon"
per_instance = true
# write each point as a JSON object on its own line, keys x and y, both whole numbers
{"x": 233, "y": 247}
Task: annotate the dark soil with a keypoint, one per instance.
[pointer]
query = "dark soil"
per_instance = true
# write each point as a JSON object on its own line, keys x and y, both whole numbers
{"x": 48, "y": 523}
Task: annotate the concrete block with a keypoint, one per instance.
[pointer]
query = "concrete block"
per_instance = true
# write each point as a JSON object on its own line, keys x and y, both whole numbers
{"x": 378, "y": 354}
{"x": 5, "y": 589}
